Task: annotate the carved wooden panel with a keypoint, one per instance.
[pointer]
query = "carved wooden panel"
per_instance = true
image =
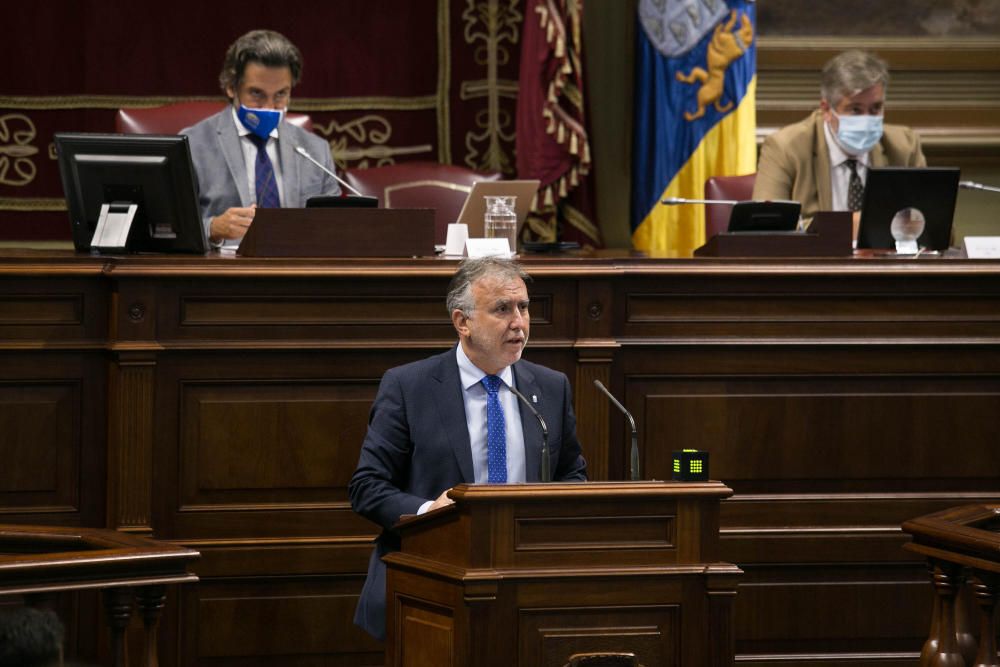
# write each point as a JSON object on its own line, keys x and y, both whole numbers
{"x": 828, "y": 433}
{"x": 52, "y": 429}
{"x": 65, "y": 310}
{"x": 297, "y": 622}
{"x": 255, "y": 441}
{"x": 427, "y": 633}
{"x": 130, "y": 442}
{"x": 846, "y": 614}
{"x": 40, "y": 445}
{"x": 549, "y": 636}
{"x": 336, "y": 311}
{"x": 264, "y": 448}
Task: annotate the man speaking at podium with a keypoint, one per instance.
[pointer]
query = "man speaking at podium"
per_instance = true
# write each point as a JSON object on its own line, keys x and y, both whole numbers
{"x": 452, "y": 418}
{"x": 245, "y": 155}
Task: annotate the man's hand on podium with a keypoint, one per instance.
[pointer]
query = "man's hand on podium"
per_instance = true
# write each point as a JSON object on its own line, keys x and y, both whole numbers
{"x": 442, "y": 501}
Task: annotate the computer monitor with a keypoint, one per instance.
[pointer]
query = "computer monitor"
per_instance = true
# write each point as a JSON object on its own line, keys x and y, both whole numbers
{"x": 130, "y": 192}
{"x": 891, "y": 190}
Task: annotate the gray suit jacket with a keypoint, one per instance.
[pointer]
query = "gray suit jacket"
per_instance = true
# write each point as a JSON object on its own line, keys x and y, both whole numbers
{"x": 221, "y": 170}
{"x": 417, "y": 445}
{"x": 795, "y": 162}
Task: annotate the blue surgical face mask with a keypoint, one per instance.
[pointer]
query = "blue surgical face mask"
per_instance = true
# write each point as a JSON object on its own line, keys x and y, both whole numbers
{"x": 858, "y": 134}
{"x": 259, "y": 121}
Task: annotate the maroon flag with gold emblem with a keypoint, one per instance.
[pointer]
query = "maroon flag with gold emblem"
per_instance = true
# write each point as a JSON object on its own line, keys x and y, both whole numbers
{"x": 552, "y": 143}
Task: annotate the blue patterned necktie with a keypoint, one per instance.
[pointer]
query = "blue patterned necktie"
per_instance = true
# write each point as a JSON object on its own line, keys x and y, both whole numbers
{"x": 496, "y": 432}
{"x": 267, "y": 187}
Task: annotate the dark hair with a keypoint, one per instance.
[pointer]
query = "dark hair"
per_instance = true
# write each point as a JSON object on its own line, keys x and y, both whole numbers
{"x": 472, "y": 270}
{"x": 30, "y": 638}
{"x": 266, "y": 47}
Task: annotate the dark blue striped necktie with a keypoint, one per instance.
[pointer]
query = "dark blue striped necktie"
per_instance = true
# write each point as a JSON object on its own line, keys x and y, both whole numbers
{"x": 267, "y": 187}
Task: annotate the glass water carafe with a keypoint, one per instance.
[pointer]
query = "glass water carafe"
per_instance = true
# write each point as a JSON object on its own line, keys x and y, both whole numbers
{"x": 501, "y": 220}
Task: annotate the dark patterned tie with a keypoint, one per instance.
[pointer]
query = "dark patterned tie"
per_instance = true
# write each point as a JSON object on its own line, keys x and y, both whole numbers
{"x": 855, "y": 188}
{"x": 496, "y": 432}
{"x": 267, "y": 187}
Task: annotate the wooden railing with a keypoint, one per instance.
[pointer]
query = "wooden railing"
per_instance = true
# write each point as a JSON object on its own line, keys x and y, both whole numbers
{"x": 41, "y": 561}
{"x": 962, "y": 546}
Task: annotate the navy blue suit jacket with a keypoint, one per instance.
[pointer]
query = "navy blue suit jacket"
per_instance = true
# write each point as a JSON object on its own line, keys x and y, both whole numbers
{"x": 417, "y": 446}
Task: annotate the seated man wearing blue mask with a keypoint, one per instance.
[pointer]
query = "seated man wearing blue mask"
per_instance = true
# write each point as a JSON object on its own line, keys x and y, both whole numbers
{"x": 823, "y": 160}
{"x": 245, "y": 155}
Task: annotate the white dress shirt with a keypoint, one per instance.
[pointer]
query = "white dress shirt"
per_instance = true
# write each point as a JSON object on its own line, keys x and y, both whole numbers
{"x": 474, "y": 395}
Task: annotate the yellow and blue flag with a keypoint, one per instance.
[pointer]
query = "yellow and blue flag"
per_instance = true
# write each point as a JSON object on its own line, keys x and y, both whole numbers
{"x": 695, "y": 113}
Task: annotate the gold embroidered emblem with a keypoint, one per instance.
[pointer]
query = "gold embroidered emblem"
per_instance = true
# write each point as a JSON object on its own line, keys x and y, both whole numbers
{"x": 726, "y": 46}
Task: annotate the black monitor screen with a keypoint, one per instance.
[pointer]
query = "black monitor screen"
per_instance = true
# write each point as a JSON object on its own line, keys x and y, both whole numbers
{"x": 152, "y": 172}
{"x": 893, "y": 190}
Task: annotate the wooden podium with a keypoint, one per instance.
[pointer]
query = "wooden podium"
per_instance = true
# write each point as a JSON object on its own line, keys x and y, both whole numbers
{"x": 528, "y": 574}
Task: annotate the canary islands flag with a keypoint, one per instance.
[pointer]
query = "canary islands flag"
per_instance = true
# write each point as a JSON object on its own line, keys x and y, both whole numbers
{"x": 695, "y": 113}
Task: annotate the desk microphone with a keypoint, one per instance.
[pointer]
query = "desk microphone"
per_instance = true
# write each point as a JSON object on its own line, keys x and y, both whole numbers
{"x": 546, "y": 474}
{"x": 972, "y": 185}
{"x": 634, "y": 462}
{"x": 672, "y": 201}
{"x": 304, "y": 153}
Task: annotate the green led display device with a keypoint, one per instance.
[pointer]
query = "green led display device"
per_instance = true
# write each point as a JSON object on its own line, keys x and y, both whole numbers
{"x": 690, "y": 465}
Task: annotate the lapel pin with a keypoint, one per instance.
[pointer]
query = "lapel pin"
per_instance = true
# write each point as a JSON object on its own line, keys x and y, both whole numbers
{"x": 534, "y": 399}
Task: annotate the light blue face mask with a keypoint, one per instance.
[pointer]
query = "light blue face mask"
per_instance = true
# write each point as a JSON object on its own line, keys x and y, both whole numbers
{"x": 259, "y": 121}
{"x": 858, "y": 134}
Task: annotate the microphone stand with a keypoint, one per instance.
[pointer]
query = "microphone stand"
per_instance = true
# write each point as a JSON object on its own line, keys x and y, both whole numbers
{"x": 634, "y": 458}
{"x": 673, "y": 201}
{"x": 972, "y": 185}
{"x": 546, "y": 473}
{"x": 304, "y": 153}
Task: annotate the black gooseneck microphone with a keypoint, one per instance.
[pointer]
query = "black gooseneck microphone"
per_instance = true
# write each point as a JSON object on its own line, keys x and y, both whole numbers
{"x": 634, "y": 463}
{"x": 546, "y": 474}
{"x": 304, "y": 153}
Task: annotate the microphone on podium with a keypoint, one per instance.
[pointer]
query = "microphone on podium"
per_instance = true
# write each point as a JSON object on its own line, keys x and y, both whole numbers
{"x": 546, "y": 474}
{"x": 304, "y": 153}
{"x": 673, "y": 201}
{"x": 972, "y": 185}
{"x": 634, "y": 458}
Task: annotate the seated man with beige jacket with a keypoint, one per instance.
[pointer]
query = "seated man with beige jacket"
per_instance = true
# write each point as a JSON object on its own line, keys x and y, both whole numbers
{"x": 823, "y": 161}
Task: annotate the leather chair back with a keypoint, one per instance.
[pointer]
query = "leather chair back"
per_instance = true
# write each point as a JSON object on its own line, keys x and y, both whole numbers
{"x": 738, "y": 188}
{"x": 172, "y": 118}
{"x": 443, "y": 187}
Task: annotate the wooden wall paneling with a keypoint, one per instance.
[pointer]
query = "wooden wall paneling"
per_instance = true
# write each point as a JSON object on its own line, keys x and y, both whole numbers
{"x": 52, "y": 430}
{"x": 256, "y": 470}
{"x": 300, "y": 622}
{"x": 53, "y": 323}
{"x": 595, "y": 355}
{"x": 825, "y": 391}
{"x": 832, "y": 425}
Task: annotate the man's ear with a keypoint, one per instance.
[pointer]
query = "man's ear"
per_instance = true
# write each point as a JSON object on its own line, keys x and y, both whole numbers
{"x": 827, "y": 110}
{"x": 460, "y": 321}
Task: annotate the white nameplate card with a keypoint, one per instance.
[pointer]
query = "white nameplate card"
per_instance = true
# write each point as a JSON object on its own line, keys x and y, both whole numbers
{"x": 487, "y": 248}
{"x": 982, "y": 247}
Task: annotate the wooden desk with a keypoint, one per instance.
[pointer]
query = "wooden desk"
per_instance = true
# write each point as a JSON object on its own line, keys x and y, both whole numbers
{"x": 220, "y": 402}
{"x": 39, "y": 561}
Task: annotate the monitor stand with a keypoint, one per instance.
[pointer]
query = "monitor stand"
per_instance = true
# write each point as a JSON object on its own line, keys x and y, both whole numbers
{"x": 113, "y": 226}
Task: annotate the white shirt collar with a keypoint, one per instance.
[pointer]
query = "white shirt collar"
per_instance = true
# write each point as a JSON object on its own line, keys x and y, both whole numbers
{"x": 471, "y": 374}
